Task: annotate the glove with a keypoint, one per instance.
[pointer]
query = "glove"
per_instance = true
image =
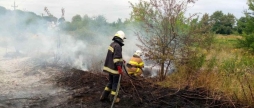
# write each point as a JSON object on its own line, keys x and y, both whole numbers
{"x": 120, "y": 70}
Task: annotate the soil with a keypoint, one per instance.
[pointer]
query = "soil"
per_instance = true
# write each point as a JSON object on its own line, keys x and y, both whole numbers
{"x": 87, "y": 87}
{"x": 24, "y": 85}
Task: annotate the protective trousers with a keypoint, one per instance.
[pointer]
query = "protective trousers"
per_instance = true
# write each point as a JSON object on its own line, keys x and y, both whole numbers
{"x": 112, "y": 84}
{"x": 111, "y": 87}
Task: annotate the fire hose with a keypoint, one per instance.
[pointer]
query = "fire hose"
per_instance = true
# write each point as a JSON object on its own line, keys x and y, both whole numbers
{"x": 118, "y": 85}
{"x": 124, "y": 68}
{"x": 117, "y": 90}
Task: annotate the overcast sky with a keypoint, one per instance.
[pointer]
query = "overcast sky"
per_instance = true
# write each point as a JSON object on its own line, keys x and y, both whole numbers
{"x": 114, "y": 9}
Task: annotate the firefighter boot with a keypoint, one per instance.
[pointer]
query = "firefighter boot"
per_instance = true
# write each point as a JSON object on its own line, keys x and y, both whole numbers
{"x": 104, "y": 95}
{"x": 111, "y": 98}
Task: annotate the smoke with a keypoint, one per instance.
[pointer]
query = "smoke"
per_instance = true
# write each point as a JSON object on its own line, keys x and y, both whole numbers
{"x": 27, "y": 34}
{"x": 31, "y": 45}
{"x": 21, "y": 34}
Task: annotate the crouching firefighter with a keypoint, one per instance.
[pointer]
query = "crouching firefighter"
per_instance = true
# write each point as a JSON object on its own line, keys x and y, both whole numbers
{"x": 113, "y": 66}
{"x": 135, "y": 65}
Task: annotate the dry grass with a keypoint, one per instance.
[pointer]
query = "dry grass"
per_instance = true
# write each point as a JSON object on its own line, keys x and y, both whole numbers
{"x": 230, "y": 74}
{"x": 219, "y": 36}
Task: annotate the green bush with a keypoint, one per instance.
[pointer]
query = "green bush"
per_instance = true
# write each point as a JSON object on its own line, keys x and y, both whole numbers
{"x": 247, "y": 42}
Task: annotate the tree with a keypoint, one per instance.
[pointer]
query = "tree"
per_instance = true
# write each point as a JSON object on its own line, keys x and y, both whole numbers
{"x": 165, "y": 35}
{"x": 2, "y": 10}
{"x": 118, "y": 24}
{"x": 86, "y": 20}
{"x": 229, "y": 22}
{"x": 204, "y": 31}
{"x": 247, "y": 42}
{"x": 204, "y": 22}
{"x": 76, "y": 22}
{"x": 223, "y": 24}
{"x": 241, "y": 25}
{"x": 249, "y": 18}
{"x": 100, "y": 24}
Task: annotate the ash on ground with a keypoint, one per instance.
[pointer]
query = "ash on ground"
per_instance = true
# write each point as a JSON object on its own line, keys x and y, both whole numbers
{"x": 27, "y": 83}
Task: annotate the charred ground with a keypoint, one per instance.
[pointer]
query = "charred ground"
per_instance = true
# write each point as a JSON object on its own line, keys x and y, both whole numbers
{"x": 82, "y": 89}
{"x": 86, "y": 88}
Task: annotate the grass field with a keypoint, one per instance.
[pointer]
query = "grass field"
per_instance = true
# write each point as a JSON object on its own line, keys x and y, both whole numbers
{"x": 228, "y": 72}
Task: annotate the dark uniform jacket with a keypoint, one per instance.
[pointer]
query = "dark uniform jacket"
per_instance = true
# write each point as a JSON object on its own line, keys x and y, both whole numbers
{"x": 114, "y": 58}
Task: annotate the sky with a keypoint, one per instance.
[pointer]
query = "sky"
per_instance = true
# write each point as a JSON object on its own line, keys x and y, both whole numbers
{"x": 114, "y": 9}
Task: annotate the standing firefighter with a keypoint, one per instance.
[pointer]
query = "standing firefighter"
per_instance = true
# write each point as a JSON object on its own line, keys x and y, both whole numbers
{"x": 135, "y": 65}
{"x": 113, "y": 66}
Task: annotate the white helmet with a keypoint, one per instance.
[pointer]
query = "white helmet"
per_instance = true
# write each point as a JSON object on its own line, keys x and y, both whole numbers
{"x": 138, "y": 53}
{"x": 120, "y": 34}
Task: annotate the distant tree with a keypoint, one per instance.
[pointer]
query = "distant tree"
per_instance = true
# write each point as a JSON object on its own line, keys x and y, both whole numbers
{"x": 166, "y": 35}
{"x": 76, "y": 18}
{"x": 100, "y": 20}
{"x": 100, "y": 24}
{"x": 2, "y": 10}
{"x": 229, "y": 23}
{"x": 118, "y": 24}
{"x": 204, "y": 30}
{"x": 247, "y": 42}
{"x": 205, "y": 22}
{"x": 241, "y": 25}
{"x": 61, "y": 20}
{"x": 86, "y": 20}
{"x": 76, "y": 22}
{"x": 202, "y": 38}
{"x": 223, "y": 24}
{"x": 249, "y": 23}
{"x": 50, "y": 18}
{"x": 216, "y": 19}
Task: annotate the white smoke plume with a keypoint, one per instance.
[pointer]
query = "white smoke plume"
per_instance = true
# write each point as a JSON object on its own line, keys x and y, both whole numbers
{"x": 29, "y": 50}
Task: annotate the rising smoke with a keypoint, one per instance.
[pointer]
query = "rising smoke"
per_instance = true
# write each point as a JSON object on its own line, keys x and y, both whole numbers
{"x": 29, "y": 35}
{"x": 22, "y": 35}
{"x": 30, "y": 44}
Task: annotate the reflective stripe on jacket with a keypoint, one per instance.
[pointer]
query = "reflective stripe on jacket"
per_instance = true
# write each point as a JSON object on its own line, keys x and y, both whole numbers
{"x": 113, "y": 58}
{"x": 136, "y": 65}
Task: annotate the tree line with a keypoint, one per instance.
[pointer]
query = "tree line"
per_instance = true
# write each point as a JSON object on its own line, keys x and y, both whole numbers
{"x": 222, "y": 23}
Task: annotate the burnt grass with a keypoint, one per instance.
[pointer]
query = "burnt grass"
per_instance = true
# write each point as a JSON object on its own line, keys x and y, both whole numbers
{"x": 86, "y": 88}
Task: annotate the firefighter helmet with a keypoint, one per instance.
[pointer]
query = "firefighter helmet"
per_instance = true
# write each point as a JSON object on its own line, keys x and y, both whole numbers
{"x": 138, "y": 53}
{"x": 120, "y": 34}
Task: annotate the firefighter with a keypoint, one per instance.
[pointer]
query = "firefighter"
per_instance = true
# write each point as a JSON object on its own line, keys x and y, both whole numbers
{"x": 113, "y": 66}
{"x": 135, "y": 65}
